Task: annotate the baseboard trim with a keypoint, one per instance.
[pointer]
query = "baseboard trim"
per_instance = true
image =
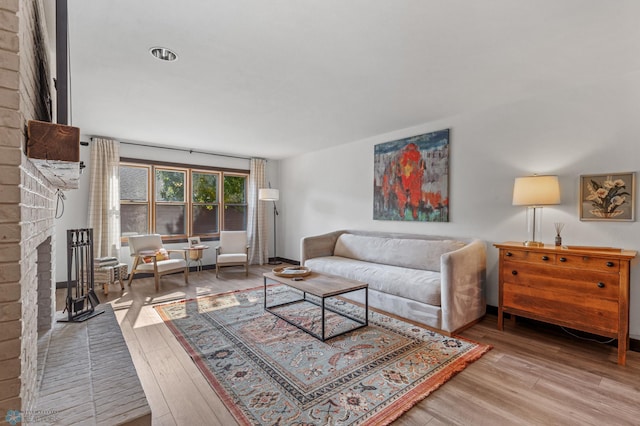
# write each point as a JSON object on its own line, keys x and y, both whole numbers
{"x": 289, "y": 261}
{"x": 634, "y": 344}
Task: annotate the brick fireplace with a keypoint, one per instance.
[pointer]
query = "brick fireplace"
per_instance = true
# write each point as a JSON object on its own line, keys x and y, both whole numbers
{"x": 27, "y": 204}
{"x": 46, "y": 292}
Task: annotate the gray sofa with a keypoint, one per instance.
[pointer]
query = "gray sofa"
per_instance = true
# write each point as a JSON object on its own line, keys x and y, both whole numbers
{"x": 435, "y": 281}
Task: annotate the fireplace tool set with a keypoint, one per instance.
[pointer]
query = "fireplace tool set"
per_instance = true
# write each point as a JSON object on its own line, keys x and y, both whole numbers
{"x": 81, "y": 299}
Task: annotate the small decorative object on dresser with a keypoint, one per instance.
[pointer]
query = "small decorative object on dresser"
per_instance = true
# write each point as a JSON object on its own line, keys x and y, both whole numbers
{"x": 558, "y": 227}
{"x": 583, "y": 288}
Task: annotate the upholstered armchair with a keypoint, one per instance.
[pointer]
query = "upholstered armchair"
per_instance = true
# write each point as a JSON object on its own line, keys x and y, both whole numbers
{"x": 151, "y": 257}
{"x": 232, "y": 250}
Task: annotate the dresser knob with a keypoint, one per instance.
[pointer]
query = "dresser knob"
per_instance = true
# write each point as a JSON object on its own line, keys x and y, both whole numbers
{"x": 600, "y": 285}
{"x": 609, "y": 264}
{"x": 514, "y": 272}
{"x": 563, "y": 259}
{"x": 508, "y": 254}
{"x": 545, "y": 257}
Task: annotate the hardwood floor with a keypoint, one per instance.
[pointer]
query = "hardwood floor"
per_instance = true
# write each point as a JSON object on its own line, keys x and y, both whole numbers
{"x": 529, "y": 377}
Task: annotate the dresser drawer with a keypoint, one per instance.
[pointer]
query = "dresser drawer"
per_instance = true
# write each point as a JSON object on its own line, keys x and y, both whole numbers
{"x": 529, "y": 257}
{"x": 579, "y": 312}
{"x": 588, "y": 262}
{"x": 572, "y": 282}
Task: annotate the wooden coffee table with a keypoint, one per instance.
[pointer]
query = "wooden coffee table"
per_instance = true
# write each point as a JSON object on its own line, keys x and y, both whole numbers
{"x": 322, "y": 286}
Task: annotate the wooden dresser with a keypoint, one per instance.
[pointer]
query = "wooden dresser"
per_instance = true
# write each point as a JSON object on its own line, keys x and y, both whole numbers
{"x": 583, "y": 288}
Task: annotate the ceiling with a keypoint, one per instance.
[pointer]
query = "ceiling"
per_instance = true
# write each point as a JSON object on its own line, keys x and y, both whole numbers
{"x": 279, "y": 78}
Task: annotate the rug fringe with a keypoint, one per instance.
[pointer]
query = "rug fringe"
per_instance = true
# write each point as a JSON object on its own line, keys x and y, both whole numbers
{"x": 441, "y": 378}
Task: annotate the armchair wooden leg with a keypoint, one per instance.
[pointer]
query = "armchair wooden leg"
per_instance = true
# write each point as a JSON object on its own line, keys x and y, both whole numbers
{"x": 156, "y": 274}
{"x": 133, "y": 268}
{"x": 217, "y": 270}
{"x": 246, "y": 269}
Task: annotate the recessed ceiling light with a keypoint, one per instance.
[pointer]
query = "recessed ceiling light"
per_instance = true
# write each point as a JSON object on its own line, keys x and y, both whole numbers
{"x": 163, "y": 54}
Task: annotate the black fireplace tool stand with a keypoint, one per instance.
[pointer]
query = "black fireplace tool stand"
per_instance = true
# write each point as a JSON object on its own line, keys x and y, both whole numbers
{"x": 81, "y": 299}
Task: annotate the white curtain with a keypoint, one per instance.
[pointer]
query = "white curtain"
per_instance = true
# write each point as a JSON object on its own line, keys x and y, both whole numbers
{"x": 257, "y": 221}
{"x": 104, "y": 197}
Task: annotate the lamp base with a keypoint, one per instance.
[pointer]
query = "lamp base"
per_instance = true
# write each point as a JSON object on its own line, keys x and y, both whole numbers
{"x": 533, "y": 244}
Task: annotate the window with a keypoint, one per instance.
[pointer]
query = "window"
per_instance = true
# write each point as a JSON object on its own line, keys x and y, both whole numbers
{"x": 177, "y": 202}
{"x": 170, "y": 204}
{"x": 235, "y": 203}
{"x": 134, "y": 200}
{"x": 204, "y": 199}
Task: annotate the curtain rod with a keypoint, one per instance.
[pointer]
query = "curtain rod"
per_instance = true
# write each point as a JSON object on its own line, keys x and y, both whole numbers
{"x": 190, "y": 151}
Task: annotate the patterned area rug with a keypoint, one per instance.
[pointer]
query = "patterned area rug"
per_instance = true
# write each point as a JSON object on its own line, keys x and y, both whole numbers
{"x": 269, "y": 372}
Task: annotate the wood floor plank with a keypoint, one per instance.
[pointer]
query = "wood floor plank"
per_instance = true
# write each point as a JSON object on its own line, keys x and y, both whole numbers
{"x": 152, "y": 389}
{"x": 166, "y": 420}
{"x": 531, "y": 376}
{"x": 187, "y": 405}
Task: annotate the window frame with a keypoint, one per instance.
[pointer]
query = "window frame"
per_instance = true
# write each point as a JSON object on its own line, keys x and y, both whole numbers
{"x": 217, "y": 203}
{"x": 246, "y": 198}
{"x": 188, "y": 169}
{"x": 140, "y": 203}
{"x": 156, "y": 203}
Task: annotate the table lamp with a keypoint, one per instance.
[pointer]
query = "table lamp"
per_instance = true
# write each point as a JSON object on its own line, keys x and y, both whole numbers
{"x": 534, "y": 192}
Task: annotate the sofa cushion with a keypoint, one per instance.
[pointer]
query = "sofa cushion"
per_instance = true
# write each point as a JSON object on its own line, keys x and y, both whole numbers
{"x": 415, "y": 284}
{"x": 405, "y": 252}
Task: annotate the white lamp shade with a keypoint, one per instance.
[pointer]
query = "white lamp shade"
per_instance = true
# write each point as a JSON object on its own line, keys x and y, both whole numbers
{"x": 536, "y": 191}
{"x": 268, "y": 194}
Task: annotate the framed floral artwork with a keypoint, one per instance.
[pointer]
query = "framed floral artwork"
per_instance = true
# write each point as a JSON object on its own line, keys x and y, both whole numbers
{"x": 609, "y": 197}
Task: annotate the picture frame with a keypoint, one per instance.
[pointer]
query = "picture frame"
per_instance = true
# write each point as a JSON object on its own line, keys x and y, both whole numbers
{"x": 194, "y": 241}
{"x": 411, "y": 178}
{"x": 608, "y": 197}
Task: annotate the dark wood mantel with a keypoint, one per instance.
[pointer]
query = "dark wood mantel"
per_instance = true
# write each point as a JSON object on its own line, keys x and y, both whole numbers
{"x": 55, "y": 150}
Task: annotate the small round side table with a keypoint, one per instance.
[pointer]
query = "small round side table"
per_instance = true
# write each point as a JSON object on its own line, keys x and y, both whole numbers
{"x": 195, "y": 255}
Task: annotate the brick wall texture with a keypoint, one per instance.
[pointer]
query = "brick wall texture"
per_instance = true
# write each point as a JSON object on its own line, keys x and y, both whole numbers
{"x": 27, "y": 210}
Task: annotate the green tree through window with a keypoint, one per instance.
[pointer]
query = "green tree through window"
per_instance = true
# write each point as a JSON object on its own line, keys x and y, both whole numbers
{"x": 205, "y": 187}
{"x": 234, "y": 189}
{"x": 170, "y": 186}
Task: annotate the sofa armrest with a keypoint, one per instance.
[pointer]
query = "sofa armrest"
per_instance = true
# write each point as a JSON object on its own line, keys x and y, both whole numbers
{"x": 318, "y": 245}
{"x": 463, "y": 277}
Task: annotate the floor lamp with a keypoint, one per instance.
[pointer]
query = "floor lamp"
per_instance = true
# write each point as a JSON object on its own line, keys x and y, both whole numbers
{"x": 270, "y": 194}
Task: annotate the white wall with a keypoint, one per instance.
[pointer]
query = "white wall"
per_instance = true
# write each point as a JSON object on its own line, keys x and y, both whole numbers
{"x": 583, "y": 130}
{"x": 76, "y": 210}
{"x": 73, "y": 215}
